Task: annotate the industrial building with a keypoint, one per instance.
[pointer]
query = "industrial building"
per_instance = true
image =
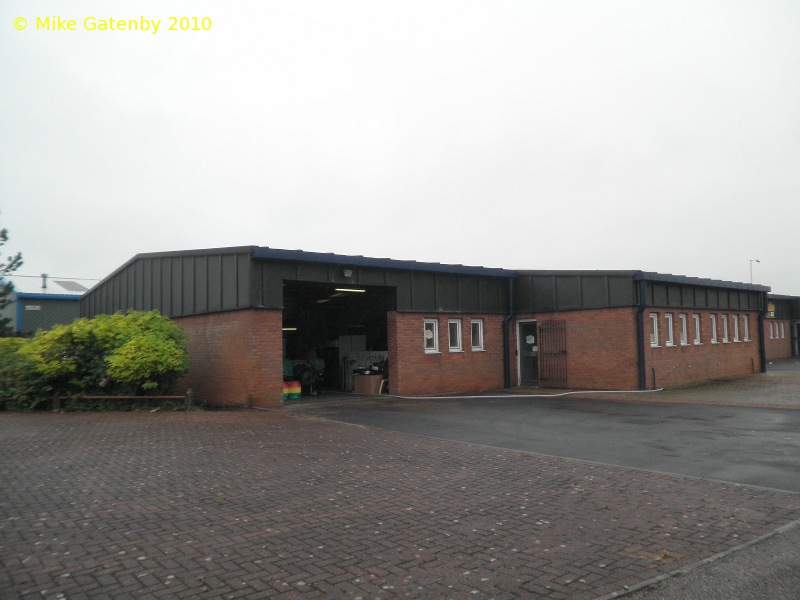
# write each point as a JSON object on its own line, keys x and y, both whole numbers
{"x": 42, "y": 302}
{"x": 255, "y": 316}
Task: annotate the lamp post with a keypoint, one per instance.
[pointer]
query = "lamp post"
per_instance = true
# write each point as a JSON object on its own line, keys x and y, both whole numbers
{"x": 752, "y": 260}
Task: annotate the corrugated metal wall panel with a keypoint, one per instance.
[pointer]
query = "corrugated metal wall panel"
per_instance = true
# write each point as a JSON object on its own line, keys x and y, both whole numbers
{"x": 200, "y": 284}
{"x": 187, "y": 287}
{"x": 469, "y": 294}
{"x": 49, "y": 313}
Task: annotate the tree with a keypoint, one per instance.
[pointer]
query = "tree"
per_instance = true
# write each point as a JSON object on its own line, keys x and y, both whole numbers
{"x": 11, "y": 264}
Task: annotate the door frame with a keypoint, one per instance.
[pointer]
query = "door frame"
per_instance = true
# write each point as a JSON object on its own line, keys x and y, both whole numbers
{"x": 519, "y": 350}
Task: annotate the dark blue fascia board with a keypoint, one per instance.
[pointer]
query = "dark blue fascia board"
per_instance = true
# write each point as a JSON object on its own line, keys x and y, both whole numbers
{"x": 379, "y": 263}
{"x": 683, "y": 280}
{"x": 27, "y": 296}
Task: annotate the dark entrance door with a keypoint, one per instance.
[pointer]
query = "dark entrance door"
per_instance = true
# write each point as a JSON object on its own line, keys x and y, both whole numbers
{"x": 528, "y": 349}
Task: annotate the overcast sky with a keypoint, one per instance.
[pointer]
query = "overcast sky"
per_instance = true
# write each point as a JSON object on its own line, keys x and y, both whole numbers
{"x": 662, "y": 136}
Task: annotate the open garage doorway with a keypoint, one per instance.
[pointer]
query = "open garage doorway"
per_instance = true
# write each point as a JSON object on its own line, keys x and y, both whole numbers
{"x": 332, "y": 330}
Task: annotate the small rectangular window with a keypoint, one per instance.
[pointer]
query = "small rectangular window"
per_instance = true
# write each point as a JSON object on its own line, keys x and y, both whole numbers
{"x": 714, "y": 339}
{"x": 735, "y": 321}
{"x": 724, "y": 329}
{"x": 697, "y": 339}
{"x": 771, "y": 331}
{"x": 783, "y": 331}
{"x": 653, "y": 329}
{"x": 669, "y": 334}
{"x": 746, "y": 327}
{"x": 454, "y": 331}
{"x": 684, "y": 324}
{"x": 431, "y": 335}
{"x": 476, "y": 331}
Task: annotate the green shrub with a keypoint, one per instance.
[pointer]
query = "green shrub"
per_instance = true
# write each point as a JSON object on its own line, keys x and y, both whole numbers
{"x": 122, "y": 354}
{"x": 21, "y": 386}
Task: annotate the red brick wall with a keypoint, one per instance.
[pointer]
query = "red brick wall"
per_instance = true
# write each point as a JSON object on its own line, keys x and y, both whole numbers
{"x": 778, "y": 347}
{"x": 413, "y": 372}
{"x": 601, "y": 348}
{"x": 237, "y": 357}
{"x": 679, "y": 365}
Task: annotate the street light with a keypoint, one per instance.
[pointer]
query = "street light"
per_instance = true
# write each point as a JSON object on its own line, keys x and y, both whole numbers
{"x": 752, "y": 260}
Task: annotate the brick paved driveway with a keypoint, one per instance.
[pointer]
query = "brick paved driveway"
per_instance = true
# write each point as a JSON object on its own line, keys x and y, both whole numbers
{"x": 267, "y": 505}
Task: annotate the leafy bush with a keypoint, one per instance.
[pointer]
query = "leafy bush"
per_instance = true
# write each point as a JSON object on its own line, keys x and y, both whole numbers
{"x": 21, "y": 387}
{"x": 121, "y": 354}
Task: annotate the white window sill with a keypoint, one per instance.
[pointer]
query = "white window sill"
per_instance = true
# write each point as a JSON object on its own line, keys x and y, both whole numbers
{"x": 432, "y": 352}
{"x": 698, "y": 343}
{"x": 456, "y": 351}
{"x": 655, "y": 345}
{"x": 479, "y": 349}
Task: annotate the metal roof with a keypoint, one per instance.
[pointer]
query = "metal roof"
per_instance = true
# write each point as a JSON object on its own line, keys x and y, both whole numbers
{"x": 684, "y": 280}
{"x": 266, "y": 253}
{"x": 55, "y": 286}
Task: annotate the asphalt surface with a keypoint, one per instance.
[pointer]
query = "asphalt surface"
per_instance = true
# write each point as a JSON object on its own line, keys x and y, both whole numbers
{"x": 752, "y": 446}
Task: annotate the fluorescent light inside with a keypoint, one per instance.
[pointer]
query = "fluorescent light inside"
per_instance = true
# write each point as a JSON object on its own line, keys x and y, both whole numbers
{"x": 349, "y": 290}
{"x": 288, "y": 328}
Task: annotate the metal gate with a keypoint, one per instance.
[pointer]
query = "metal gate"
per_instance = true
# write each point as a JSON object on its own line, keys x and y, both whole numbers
{"x": 552, "y": 354}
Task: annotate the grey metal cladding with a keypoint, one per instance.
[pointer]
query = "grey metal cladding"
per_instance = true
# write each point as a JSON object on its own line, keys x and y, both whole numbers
{"x": 175, "y": 284}
{"x": 594, "y": 292}
{"x": 51, "y": 312}
{"x": 423, "y": 292}
{"x": 621, "y": 292}
{"x": 214, "y": 283}
{"x": 401, "y": 281}
{"x": 447, "y": 294}
{"x": 188, "y": 287}
{"x": 550, "y": 291}
{"x": 568, "y": 292}
{"x": 229, "y": 282}
{"x": 201, "y": 284}
{"x": 469, "y": 293}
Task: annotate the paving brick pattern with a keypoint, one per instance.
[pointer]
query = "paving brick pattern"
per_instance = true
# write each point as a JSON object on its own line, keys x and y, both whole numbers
{"x": 258, "y": 504}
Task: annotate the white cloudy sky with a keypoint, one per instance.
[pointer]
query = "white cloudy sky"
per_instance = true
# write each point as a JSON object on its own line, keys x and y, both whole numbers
{"x": 654, "y": 135}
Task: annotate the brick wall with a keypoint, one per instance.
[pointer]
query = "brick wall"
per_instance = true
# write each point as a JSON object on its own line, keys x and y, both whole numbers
{"x": 679, "y": 364}
{"x": 778, "y": 346}
{"x": 601, "y": 348}
{"x": 413, "y": 372}
{"x": 237, "y": 357}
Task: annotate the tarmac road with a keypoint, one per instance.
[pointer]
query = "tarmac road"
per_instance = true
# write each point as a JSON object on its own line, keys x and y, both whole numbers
{"x": 753, "y": 446}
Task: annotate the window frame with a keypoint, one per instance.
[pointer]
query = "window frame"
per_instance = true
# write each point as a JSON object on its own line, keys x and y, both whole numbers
{"x": 472, "y": 324}
{"x": 434, "y": 349}
{"x": 771, "y": 332}
{"x": 714, "y": 331}
{"x": 698, "y": 337}
{"x": 725, "y": 339}
{"x": 654, "y": 330}
{"x": 735, "y": 322}
{"x": 746, "y": 327}
{"x": 669, "y": 329}
{"x": 684, "y": 329}
{"x": 459, "y": 345}
{"x": 783, "y": 330}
